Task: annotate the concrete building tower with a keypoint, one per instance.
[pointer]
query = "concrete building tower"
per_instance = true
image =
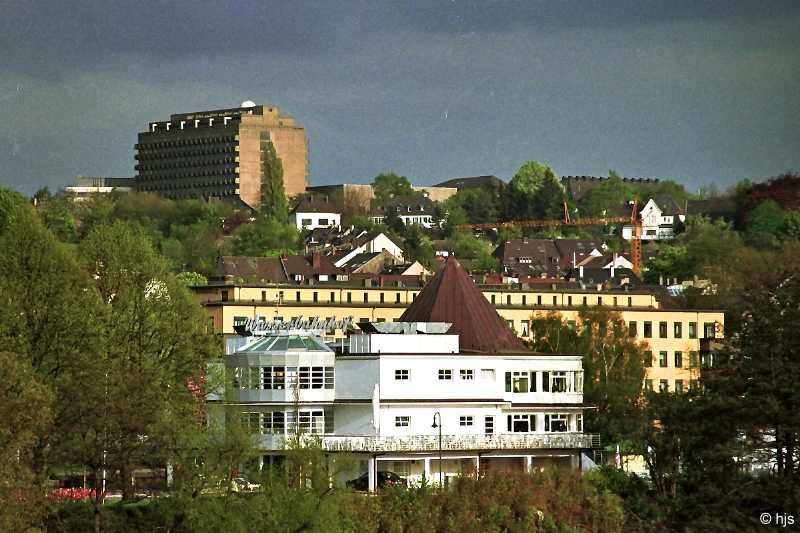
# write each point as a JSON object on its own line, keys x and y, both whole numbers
{"x": 217, "y": 154}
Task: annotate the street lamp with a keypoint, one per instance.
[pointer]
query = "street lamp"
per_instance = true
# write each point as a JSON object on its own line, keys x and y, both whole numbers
{"x": 434, "y": 426}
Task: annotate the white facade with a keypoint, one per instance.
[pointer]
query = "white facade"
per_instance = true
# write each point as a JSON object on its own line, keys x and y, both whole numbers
{"x": 310, "y": 221}
{"x": 656, "y": 225}
{"x": 378, "y": 400}
{"x": 378, "y": 243}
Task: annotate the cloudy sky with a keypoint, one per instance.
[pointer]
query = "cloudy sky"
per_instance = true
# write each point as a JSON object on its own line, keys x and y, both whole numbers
{"x": 698, "y": 91}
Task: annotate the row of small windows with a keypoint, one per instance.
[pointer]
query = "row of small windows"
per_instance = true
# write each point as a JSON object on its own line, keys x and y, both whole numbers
{"x": 227, "y": 175}
{"x": 189, "y": 163}
{"x": 584, "y": 300}
{"x": 316, "y": 421}
{"x": 283, "y": 377}
{"x": 517, "y": 423}
{"x": 679, "y": 387}
{"x": 222, "y": 183}
{"x": 185, "y": 154}
{"x": 185, "y": 141}
{"x": 696, "y": 359}
{"x": 515, "y": 381}
{"x": 320, "y": 296}
{"x": 709, "y": 330}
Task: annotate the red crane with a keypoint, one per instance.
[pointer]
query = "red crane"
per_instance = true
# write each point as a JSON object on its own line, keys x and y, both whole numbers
{"x": 633, "y": 219}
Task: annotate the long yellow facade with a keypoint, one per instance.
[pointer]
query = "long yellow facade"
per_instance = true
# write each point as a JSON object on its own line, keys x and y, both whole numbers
{"x": 673, "y": 335}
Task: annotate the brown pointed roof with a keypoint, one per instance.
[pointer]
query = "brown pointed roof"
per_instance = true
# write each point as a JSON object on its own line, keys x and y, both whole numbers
{"x": 451, "y": 296}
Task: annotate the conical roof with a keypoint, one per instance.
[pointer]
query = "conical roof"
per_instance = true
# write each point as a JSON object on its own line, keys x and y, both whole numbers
{"x": 452, "y": 296}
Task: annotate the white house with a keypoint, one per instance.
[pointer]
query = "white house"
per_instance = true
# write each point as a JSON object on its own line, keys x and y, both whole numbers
{"x": 410, "y": 209}
{"x": 313, "y": 213}
{"x": 496, "y": 406}
{"x": 368, "y": 242}
{"x": 656, "y": 225}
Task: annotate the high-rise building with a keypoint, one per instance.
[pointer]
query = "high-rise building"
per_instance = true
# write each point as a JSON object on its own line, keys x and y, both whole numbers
{"x": 218, "y": 154}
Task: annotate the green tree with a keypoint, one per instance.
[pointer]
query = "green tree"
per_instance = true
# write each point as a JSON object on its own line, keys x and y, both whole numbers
{"x": 388, "y": 184}
{"x": 154, "y": 346}
{"x": 533, "y": 192}
{"x": 266, "y": 237}
{"x": 610, "y": 195}
{"x": 25, "y": 409}
{"x": 765, "y": 224}
{"x": 417, "y": 245}
{"x": 273, "y": 194}
{"x": 613, "y": 363}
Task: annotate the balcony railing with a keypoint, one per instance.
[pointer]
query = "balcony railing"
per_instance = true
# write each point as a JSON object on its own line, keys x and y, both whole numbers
{"x": 430, "y": 443}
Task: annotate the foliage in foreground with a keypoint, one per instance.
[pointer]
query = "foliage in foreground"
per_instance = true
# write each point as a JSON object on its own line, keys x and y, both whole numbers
{"x": 503, "y": 501}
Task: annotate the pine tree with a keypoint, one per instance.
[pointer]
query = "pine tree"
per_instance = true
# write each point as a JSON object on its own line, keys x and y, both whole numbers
{"x": 273, "y": 195}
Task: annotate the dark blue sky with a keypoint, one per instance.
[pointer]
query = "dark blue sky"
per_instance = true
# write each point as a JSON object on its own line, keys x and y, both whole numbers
{"x": 696, "y": 91}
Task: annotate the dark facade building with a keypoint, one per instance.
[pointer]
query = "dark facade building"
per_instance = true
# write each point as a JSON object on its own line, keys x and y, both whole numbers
{"x": 217, "y": 154}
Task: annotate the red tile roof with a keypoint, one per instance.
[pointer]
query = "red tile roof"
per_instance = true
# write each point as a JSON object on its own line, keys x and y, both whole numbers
{"x": 451, "y": 296}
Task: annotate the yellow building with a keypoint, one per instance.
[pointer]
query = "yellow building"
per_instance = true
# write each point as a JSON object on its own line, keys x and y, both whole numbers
{"x": 673, "y": 335}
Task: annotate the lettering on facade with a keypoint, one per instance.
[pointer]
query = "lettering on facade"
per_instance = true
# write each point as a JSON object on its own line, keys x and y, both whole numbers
{"x": 259, "y": 326}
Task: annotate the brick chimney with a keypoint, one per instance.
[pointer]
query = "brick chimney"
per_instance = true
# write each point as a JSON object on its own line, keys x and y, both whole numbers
{"x": 316, "y": 261}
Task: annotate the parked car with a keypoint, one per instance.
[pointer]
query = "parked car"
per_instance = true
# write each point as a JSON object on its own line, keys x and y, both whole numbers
{"x": 240, "y": 484}
{"x": 385, "y": 479}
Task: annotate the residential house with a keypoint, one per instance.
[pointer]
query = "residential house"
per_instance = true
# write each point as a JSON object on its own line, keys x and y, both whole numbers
{"x": 661, "y": 219}
{"x": 411, "y": 209}
{"x": 315, "y": 212}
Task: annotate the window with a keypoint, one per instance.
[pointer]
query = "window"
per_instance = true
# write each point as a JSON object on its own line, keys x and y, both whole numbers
{"x": 492, "y": 298}
{"x": 569, "y": 300}
{"x": 554, "y": 300}
{"x": 556, "y": 423}
{"x": 323, "y": 222}
{"x": 708, "y": 330}
{"x": 524, "y": 300}
{"x": 677, "y": 330}
{"x": 517, "y": 381}
{"x": 648, "y": 359}
{"x": 465, "y": 421}
{"x": 526, "y": 328}
{"x": 632, "y": 328}
{"x": 585, "y": 301}
{"x": 397, "y": 298}
{"x": 521, "y": 423}
{"x": 545, "y": 381}
{"x": 402, "y": 421}
{"x": 630, "y": 301}
{"x": 508, "y": 299}
{"x": 487, "y": 374}
{"x": 381, "y": 297}
{"x": 678, "y": 359}
{"x": 366, "y": 297}
{"x": 445, "y": 374}
{"x": 401, "y": 375}
{"x": 297, "y": 296}
{"x": 333, "y": 297}
{"x": 648, "y": 329}
{"x": 349, "y": 297}
{"x": 467, "y": 373}
{"x": 539, "y": 300}
{"x": 273, "y": 422}
{"x": 648, "y": 385}
{"x": 679, "y": 386}
{"x": 692, "y": 330}
{"x": 662, "y": 359}
{"x": 263, "y": 296}
{"x": 579, "y": 423}
{"x": 615, "y": 301}
{"x": 224, "y": 296}
{"x": 252, "y": 421}
{"x": 599, "y": 300}
{"x": 488, "y": 425}
{"x": 663, "y": 386}
{"x": 559, "y": 381}
{"x": 662, "y": 330}
{"x": 305, "y": 222}
{"x": 315, "y": 297}
{"x": 694, "y": 360}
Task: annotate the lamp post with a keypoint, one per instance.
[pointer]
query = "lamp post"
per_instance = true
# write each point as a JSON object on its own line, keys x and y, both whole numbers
{"x": 434, "y": 426}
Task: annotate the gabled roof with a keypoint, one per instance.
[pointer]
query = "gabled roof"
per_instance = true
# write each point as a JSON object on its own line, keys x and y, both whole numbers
{"x": 451, "y": 296}
{"x": 252, "y": 269}
{"x": 316, "y": 204}
{"x": 405, "y": 205}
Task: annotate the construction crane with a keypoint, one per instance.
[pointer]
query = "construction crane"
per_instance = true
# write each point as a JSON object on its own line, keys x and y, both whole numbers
{"x": 633, "y": 219}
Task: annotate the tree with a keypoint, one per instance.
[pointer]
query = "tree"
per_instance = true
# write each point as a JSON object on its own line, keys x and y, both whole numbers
{"x": 25, "y": 409}
{"x": 266, "y": 237}
{"x": 613, "y": 364}
{"x": 154, "y": 347}
{"x": 530, "y": 194}
{"x": 273, "y": 194}
{"x": 765, "y": 224}
{"x": 388, "y": 184}
{"x": 611, "y": 194}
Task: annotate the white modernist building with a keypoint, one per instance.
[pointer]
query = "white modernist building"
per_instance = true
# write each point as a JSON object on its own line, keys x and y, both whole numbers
{"x": 378, "y": 395}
